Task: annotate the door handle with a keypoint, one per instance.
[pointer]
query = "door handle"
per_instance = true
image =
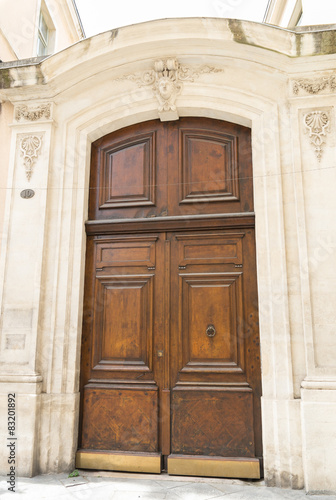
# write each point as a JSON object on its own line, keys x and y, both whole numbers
{"x": 210, "y": 331}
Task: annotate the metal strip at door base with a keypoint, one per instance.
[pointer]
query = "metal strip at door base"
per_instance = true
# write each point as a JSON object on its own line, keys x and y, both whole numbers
{"x": 196, "y": 465}
{"x": 119, "y": 461}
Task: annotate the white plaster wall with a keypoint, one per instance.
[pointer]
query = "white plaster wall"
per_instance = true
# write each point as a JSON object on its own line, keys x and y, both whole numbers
{"x": 19, "y": 22}
{"x": 92, "y": 95}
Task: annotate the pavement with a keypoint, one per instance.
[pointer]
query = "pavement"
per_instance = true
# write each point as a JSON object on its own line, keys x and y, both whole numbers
{"x": 124, "y": 486}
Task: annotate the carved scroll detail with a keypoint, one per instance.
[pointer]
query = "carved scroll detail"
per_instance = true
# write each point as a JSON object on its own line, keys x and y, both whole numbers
{"x": 317, "y": 124}
{"x": 33, "y": 114}
{"x": 316, "y": 86}
{"x": 30, "y": 146}
{"x": 166, "y": 81}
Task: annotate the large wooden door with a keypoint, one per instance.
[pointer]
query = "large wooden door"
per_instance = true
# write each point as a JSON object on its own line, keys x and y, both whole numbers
{"x": 170, "y": 371}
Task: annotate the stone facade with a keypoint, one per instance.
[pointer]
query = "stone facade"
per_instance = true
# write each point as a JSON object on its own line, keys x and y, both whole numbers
{"x": 279, "y": 83}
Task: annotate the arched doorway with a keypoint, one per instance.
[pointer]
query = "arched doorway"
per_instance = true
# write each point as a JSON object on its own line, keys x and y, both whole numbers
{"x": 170, "y": 372}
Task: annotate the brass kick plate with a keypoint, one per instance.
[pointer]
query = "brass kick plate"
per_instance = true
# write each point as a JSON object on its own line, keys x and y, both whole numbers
{"x": 193, "y": 465}
{"x": 114, "y": 461}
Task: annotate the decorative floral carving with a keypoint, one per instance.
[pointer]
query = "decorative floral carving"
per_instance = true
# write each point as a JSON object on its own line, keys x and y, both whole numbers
{"x": 166, "y": 80}
{"x": 313, "y": 87}
{"x": 317, "y": 123}
{"x": 30, "y": 146}
{"x": 33, "y": 114}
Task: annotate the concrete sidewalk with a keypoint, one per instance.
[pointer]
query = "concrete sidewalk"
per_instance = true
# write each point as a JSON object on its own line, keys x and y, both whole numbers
{"x": 121, "y": 486}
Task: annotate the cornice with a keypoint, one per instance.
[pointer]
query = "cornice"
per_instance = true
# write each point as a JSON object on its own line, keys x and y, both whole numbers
{"x": 268, "y": 45}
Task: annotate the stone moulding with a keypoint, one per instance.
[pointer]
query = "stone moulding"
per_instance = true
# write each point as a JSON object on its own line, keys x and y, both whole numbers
{"x": 30, "y": 146}
{"x": 166, "y": 81}
{"x": 33, "y": 114}
{"x": 317, "y": 124}
{"x": 314, "y": 87}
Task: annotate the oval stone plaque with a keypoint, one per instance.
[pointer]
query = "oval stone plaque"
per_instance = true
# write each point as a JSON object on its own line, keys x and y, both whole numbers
{"x": 27, "y": 193}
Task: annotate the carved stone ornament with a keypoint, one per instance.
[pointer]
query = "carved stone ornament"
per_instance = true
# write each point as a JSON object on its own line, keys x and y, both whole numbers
{"x": 317, "y": 124}
{"x": 313, "y": 87}
{"x": 30, "y": 147}
{"x": 33, "y": 114}
{"x": 166, "y": 81}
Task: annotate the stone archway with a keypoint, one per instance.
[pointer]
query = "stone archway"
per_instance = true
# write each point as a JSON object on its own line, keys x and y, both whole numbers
{"x": 104, "y": 84}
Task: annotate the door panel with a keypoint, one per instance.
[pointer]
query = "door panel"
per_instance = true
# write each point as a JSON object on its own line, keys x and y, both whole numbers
{"x": 129, "y": 178}
{"x": 207, "y": 166}
{"x": 211, "y": 307}
{"x": 105, "y": 426}
{"x": 124, "y": 323}
{"x": 128, "y": 174}
{"x": 213, "y": 422}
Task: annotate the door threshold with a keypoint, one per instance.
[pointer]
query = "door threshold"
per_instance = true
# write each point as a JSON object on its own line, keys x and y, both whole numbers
{"x": 119, "y": 461}
{"x": 164, "y": 476}
{"x": 208, "y": 466}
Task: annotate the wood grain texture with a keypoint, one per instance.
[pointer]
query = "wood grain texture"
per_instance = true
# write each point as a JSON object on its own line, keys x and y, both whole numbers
{"x": 127, "y": 166}
{"x": 128, "y": 176}
{"x": 208, "y": 166}
{"x": 212, "y": 422}
{"x": 117, "y": 419}
{"x": 170, "y": 347}
{"x": 191, "y": 166}
{"x": 211, "y": 299}
{"x": 123, "y": 324}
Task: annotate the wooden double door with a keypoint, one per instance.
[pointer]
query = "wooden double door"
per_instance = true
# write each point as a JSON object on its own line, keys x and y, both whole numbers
{"x": 170, "y": 371}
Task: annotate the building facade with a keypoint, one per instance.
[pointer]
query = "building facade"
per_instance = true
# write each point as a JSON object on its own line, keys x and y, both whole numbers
{"x": 277, "y": 85}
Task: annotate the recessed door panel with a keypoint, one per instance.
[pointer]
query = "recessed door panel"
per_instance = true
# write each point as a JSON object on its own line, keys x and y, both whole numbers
{"x": 211, "y": 308}
{"x": 128, "y": 176}
{"x": 208, "y": 166}
{"x": 123, "y": 323}
{"x": 120, "y": 419}
{"x": 225, "y": 248}
{"x": 128, "y": 252}
{"x": 213, "y": 422}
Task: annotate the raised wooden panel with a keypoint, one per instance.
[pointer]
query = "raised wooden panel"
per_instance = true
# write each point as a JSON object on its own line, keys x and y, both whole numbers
{"x": 211, "y": 309}
{"x": 211, "y": 249}
{"x": 128, "y": 173}
{"x": 208, "y": 166}
{"x": 213, "y": 422}
{"x": 120, "y": 419}
{"x": 123, "y": 323}
{"x": 130, "y": 252}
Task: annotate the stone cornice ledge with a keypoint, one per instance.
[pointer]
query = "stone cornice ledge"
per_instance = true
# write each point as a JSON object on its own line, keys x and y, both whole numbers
{"x": 326, "y": 384}
{"x": 220, "y": 37}
{"x": 34, "y": 378}
{"x": 21, "y": 383}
